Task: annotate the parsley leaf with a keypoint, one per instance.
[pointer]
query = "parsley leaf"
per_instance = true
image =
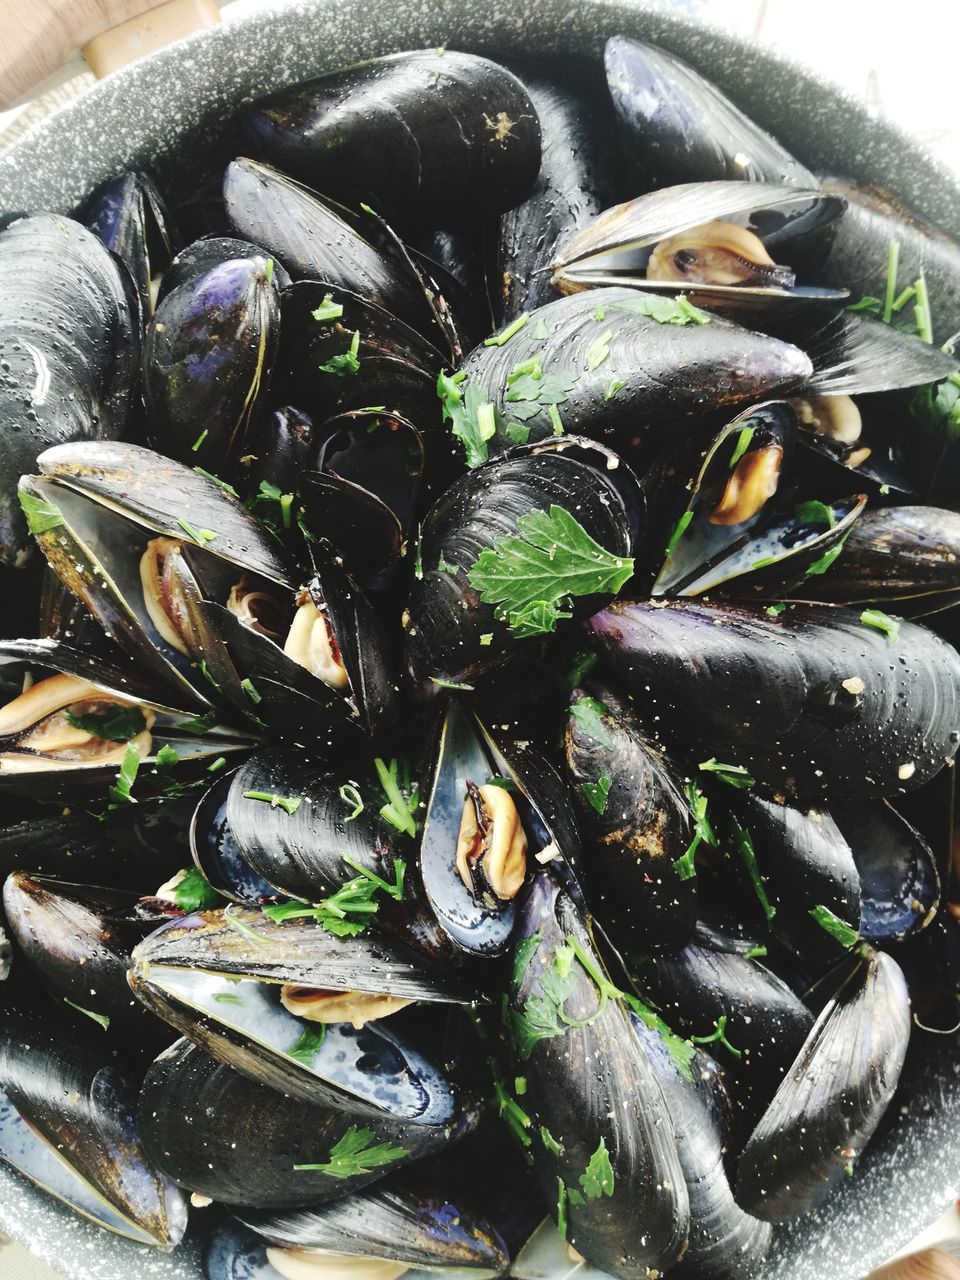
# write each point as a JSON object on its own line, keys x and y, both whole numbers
{"x": 120, "y": 791}
{"x": 599, "y": 350}
{"x": 597, "y": 792}
{"x": 308, "y": 1045}
{"x": 747, "y": 853}
{"x": 348, "y": 911}
{"x": 551, "y": 557}
{"x": 664, "y": 310}
{"x": 598, "y": 1178}
{"x": 587, "y": 712}
{"x": 347, "y": 363}
{"x": 190, "y": 891}
{"x": 354, "y": 1154}
{"x": 734, "y": 775}
{"x": 474, "y": 419}
{"x": 814, "y": 512}
{"x": 681, "y": 1051}
{"x": 41, "y": 516}
{"x": 741, "y": 447}
{"x": 116, "y": 724}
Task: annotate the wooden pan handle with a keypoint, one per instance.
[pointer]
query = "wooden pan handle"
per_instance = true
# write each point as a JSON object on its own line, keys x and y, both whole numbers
{"x": 38, "y": 36}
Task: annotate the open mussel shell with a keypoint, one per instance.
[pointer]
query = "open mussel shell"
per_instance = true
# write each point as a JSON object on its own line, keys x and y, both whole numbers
{"x": 393, "y": 130}
{"x": 523, "y": 816}
{"x": 575, "y": 182}
{"x": 411, "y": 1218}
{"x": 834, "y": 1095}
{"x": 227, "y": 980}
{"x": 724, "y": 1241}
{"x": 804, "y": 701}
{"x": 907, "y": 554}
{"x": 857, "y": 355}
{"x": 859, "y": 256}
{"x": 77, "y": 940}
{"x": 592, "y": 1095}
{"x": 60, "y": 707}
{"x": 217, "y": 855}
{"x": 677, "y": 126}
{"x": 741, "y": 529}
{"x": 636, "y": 824}
{"x": 688, "y": 239}
{"x": 452, "y": 634}
{"x": 219, "y": 1134}
{"x": 107, "y": 504}
{"x": 899, "y": 881}
{"x": 129, "y": 216}
{"x": 67, "y": 308}
{"x": 807, "y": 870}
{"x": 68, "y": 1123}
{"x": 314, "y": 241}
{"x": 207, "y": 358}
{"x": 609, "y": 367}
{"x": 203, "y": 255}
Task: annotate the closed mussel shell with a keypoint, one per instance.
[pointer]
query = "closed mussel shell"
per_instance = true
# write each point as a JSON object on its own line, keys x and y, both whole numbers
{"x": 855, "y": 354}
{"x": 816, "y": 702}
{"x": 68, "y": 1123}
{"x": 605, "y": 1153}
{"x": 129, "y": 216}
{"x": 202, "y": 256}
{"x": 677, "y": 126}
{"x": 216, "y": 1133}
{"x": 396, "y": 130}
{"x": 636, "y": 824}
{"x": 833, "y": 1097}
{"x": 217, "y": 855}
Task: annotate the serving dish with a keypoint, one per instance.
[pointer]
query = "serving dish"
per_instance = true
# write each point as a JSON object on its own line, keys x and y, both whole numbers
{"x": 170, "y": 114}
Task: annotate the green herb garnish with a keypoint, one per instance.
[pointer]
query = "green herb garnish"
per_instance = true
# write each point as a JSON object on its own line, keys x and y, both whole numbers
{"x": 748, "y": 854}
{"x": 741, "y": 447}
{"x": 328, "y": 310}
{"x": 216, "y": 765}
{"x": 664, "y": 310}
{"x": 552, "y": 557}
{"x": 221, "y": 484}
{"x": 814, "y": 512}
{"x": 599, "y": 350}
{"x": 681, "y": 1051}
{"x": 612, "y": 387}
{"x": 679, "y": 529}
{"x": 195, "y": 447}
{"x": 718, "y": 1036}
{"x": 504, "y": 336}
{"x": 881, "y": 622}
{"x": 100, "y": 1018}
{"x": 598, "y": 1178}
{"x": 200, "y": 536}
{"x": 250, "y": 689}
{"x": 597, "y": 792}
{"x": 473, "y": 418}
{"x": 837, "y": 928}
{"x": 191, "y": 891}
{"x": 550, "y": 1142}
{"x": 588, "y": 713}
{"x": 41, "y": 516}
{"x": 403, "y": 799}
{"x": 351, "y": 797}
{"x": 289, "y": 804}
{"x": 354, "y": 1154}
{"x": 347, "y": 363}
{"x": 120, "y": 792}
{"x": 460, "y": 686}
{"x": 308, "y": 1045}
{"x": 274, "y": 507}
{"x": 734, "y": 775}
{"x": 118, "y": 724}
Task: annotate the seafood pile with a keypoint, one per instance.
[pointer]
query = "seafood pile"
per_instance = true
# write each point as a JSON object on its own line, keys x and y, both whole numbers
{"x": 478, "y": 696}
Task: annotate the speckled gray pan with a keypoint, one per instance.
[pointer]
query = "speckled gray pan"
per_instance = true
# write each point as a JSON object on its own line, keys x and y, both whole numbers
{"x": 170, "y": 114}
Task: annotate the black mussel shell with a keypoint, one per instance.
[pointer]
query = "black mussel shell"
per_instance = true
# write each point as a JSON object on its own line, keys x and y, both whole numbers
{"x": 68, "y": 1123}
{"x": 857, "y": 355}
{"x": 832, "y": 1098}
{"x": 593, "y": 1097}
{"x": 899, "y": 881}
{"x": 217, "y": 855}
{"x": 816, "y": 702}
{"x": 129, "y": 216}
{"x": 207, "y": 359}
{"x": 70, "y": 343}
{"x": 677, "y": 126}
{"x": 203, "y": 255}
{"x": 412, "y": 1218}
{"x": 636, "y": 824}
{"x": 314, "y": 242}
{"x": 859, "y": 256}
{"x": 575, "y": 182}
{"x": 279, "y": 445}
{"x": 724, "y": 1241}
{"x": 608, "y": 367}
{"x": 910, "y": 554}
{"x": 453, "y": 636}
{"x": 219, "y": 1134}
{"x": 430, "y": 132}
{"x": 6, "y": 957}
{"x": 807, "y": 870}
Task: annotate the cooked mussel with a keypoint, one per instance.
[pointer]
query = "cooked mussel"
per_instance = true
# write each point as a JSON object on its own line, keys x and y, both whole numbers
{"x": 834, "y": 1095}
{"x": 605, "y": 1152}
{"x": 129, "y": 216}
{"x": 814, "y": 702}
{"x": 68, "y": 1123}
{"x": 617, "y": 361}
{"x": 207, "y": 357}
{"x": 855, "y": 354}
{"x": 677, "y": 126}
{"x": 392, "y": 131}
{"x": 713, "y": 243}
{"x": 637, "y": 868}
{"x": 302, "y": 1009}
{"x": 460, "y": 622}
{"x": 200, "y": 257}
{"x": 70, "y": 343}
{"x": 218, "y": 1134}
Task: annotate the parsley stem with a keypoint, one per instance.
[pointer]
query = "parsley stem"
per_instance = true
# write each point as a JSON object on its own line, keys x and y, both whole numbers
{"x": 400, "y": 814}
{"x": 506, "y": 334}
{"x": 922, "y": 310}
{"x": 893, "y": 262}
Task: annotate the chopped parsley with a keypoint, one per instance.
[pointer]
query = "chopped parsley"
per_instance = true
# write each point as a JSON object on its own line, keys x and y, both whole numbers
{"x": 543, "y": 1016}
{"x": 748, "y": 854}
{"x": 403, "y": 797}
{"x": 500, "y": 339}
{"x": 356, "y": 1153}
{"x": 328, "y": 310}
{"x": 599, "y": 350}
{"x": 756, "y": 952}
{"x": 597, "y": 792}
{"x": 342, "y": 366}
{"x": 814, "y": 512}
{"x": 460, "y": 686}
{"x": 221, "y": 484}
{"x": 741, "y": 447}
{"x": 348, "y": 911}
{"x": 308, "y": 1045}
{"x": 250, "y": 689}
{"x": 774, "y": 610}
{"x": 685, "y": 866}
{"x": 881, "y": 622}
{"x": 289, "y": 804}
{"x": 191, "y": 891}
{"x": 195, "y": 447}
{"x": 587, "y": 712}
{"x": 351, "y": 797}
{"x": 517, "y": 433}
{"x": 540, "y": 331}
{"x": 274, "y": 507}
{"x": 549, "y": 1141}
{"x": 117, "y": 724}
{"x": 837, "y": 928}
{"x": 510, "y": 1110}
{"x": 734, "y": 775}
{"x": 664, "y": 310}
{"x": 583, "y": 665}
{"x": 530, "y": 389}
{"x": 200, "y": 536}
{"x": 823, "y": 564}
{"x": 100, "y": 1018}
{"x": 473, "y": 419}
{"x": 612, "y": 387}
{"x": 681, "y": 1051}
{"x": 679, "y": 529}
{"x": 718, "y": 1036}
{"x": 120, "y": 792}
{"x": 597, "y": 1180}
{"x": 41, "y": 516}
{"x": 551, "y": 558}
